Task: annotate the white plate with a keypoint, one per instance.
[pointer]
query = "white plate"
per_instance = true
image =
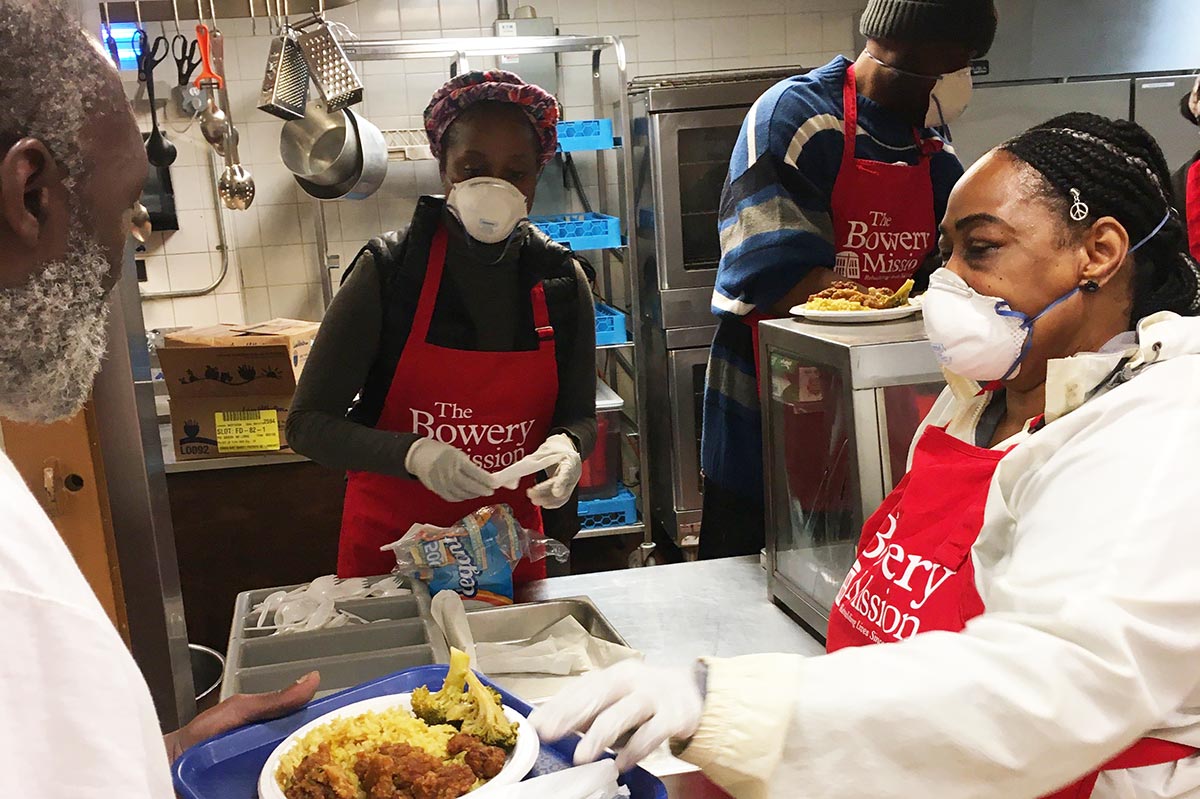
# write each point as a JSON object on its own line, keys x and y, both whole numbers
{"x": 520, "y": 760}
{"x": 858, "y": 317}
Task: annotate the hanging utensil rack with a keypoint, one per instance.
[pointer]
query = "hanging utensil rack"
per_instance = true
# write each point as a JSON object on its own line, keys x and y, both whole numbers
{"x": 161, "y": 10}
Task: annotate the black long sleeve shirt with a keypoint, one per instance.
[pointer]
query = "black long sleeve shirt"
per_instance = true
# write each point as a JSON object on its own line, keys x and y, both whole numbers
{"x": 481, "y": 290}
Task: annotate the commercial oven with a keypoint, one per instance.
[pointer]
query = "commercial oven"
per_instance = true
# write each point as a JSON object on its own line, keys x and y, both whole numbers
{"x": 684, "y": 130}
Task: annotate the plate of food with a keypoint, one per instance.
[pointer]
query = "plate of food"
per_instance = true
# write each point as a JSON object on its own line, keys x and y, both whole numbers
{"x": 456, "y": 741}
{"x": 849, "y": 302}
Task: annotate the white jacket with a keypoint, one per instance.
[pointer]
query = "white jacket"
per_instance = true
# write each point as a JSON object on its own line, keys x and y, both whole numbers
{"x": 1088, "y": 563}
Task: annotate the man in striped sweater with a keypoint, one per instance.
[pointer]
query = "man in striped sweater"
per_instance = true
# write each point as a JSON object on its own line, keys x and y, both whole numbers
{"x": 841, "y": 173}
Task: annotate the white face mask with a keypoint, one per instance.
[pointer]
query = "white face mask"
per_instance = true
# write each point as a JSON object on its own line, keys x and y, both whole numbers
{"x": 973, "y": 335}
{"x": 488, "y": 208}
{"x": 949, "y": 98}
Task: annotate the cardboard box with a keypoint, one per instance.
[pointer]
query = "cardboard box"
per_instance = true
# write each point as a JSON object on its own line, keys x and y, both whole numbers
{"x": 225, "y": 368}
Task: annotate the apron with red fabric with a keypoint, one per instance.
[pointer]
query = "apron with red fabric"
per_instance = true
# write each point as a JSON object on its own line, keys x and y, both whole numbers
{"x": 495, "y": 406}
{"x": 883, "y": 222}
{"x": 914, "y": 572}
{"x": 1191, "y": 206}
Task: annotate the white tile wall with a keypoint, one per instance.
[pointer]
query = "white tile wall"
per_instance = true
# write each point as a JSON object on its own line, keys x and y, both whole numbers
{"x": 273, "y": 267}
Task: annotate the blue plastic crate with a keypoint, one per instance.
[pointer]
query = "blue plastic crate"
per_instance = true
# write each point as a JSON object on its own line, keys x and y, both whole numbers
{"x": 616, "y": 511}
{"x": 610, "y": 326}
{"x": 227, "y": 767}
{"x": 590, "y": 231}
{"x": 585, "y": 134}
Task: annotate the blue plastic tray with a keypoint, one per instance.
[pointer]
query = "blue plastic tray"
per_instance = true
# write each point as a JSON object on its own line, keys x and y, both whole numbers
{"x": 610, "y": 326}
{"x": 588, "y": 231}
{"x": 585, "y": 134}
{"x": 228, "y": 766}
{"x": 615, "y": 511}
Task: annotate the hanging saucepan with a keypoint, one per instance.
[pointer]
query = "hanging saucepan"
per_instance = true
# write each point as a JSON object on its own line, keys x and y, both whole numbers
{"x": 371, "y": 166}
{"x": 321, "y": 148}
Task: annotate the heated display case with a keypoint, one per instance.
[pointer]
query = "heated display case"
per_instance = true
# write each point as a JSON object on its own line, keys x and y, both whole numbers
{"x": 841, "y": 404}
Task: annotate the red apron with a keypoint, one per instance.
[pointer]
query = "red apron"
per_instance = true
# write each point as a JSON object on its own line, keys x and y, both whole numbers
{"x": 1191, "y": 206}
{"x": 495, "y": 406}
{"x": 883, "y": 222}
{"x": 914, "y": 571}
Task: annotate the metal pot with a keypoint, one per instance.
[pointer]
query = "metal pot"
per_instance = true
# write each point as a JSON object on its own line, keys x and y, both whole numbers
{"x": 208, "y": 669}
{"x": 321, "y": 148}
{"x": 370, "y": 166}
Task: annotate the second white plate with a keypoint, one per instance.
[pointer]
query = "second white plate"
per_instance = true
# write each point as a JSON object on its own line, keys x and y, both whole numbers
{"x": 857, "y": 317}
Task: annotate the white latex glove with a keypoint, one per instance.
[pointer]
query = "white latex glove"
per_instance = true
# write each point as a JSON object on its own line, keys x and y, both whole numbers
{"x": 447, "y": 471}
{"x": 655, "y": 704}
{"x": 564, "y": 472}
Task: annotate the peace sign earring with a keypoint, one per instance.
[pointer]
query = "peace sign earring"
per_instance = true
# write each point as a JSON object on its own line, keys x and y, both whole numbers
{"x": 1079, "y": 209}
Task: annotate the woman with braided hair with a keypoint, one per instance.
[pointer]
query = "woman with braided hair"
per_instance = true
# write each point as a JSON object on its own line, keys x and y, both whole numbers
{"x": 1034, "y": 572}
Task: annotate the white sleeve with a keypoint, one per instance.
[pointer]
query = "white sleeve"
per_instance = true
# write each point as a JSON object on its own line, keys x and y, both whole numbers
{"x": 1090, "y": 640}
{"x": 73, "y": 708}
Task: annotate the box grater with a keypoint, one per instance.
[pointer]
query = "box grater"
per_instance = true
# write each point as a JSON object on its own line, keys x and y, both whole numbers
{"x": 285, "y": 86}
{"x": 330, "y": 68}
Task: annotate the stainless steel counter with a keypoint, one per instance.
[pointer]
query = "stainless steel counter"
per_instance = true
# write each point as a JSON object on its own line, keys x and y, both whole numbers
{"x": 675, "y": 614}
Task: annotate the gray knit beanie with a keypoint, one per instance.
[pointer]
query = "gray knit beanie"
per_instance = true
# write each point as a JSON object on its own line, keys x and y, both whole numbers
{"x": 969, "y": 22}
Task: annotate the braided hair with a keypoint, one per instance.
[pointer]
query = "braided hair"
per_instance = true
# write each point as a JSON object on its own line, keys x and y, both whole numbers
{"x": 1118, "y": 170}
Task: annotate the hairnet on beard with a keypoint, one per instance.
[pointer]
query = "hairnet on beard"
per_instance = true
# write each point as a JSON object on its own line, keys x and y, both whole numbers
{"x": 55, "y": 334}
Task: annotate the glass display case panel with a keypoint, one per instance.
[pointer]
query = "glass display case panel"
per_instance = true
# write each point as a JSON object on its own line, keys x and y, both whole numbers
{"x": 813, "y": 478}
{"x": 904, "y": 407}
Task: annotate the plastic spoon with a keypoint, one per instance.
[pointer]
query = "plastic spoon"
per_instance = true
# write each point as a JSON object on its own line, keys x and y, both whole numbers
{"x": 269, "y": 605}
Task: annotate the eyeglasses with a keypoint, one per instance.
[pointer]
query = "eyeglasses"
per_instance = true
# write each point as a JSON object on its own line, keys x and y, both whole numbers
{"x": 139, "y": 223}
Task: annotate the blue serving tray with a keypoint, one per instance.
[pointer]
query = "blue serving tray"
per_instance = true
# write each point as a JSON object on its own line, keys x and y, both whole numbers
{"x": 228, "y": 766}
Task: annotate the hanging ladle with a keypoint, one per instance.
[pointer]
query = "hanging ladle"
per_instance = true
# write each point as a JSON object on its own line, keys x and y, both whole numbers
{"x": 236, "y": 184}
{"x": 159, "y": 151}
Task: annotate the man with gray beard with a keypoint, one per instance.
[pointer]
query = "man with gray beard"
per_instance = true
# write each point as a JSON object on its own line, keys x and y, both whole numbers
{"x": 76, "y": 718}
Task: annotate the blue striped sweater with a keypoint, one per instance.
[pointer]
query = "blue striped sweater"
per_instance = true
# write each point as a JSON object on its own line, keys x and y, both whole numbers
{"x": 775, "y": 226}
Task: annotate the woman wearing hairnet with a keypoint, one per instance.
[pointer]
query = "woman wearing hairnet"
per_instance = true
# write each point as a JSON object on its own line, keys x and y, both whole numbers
{"x": 460, "y": 345}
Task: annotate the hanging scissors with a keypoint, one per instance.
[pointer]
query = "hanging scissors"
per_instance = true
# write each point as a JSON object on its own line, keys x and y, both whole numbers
{"x": 149, "y": 55}
{"x": 186, "y": 58}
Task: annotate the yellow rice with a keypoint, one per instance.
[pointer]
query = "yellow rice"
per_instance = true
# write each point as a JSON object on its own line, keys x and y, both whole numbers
{"x": 823, "y": 304}
{"x": 348, "y": 736}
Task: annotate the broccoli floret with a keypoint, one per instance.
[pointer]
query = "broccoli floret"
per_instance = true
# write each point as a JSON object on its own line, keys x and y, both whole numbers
{"x": 450, "y": 703}
{"x": 486, "y": 719}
